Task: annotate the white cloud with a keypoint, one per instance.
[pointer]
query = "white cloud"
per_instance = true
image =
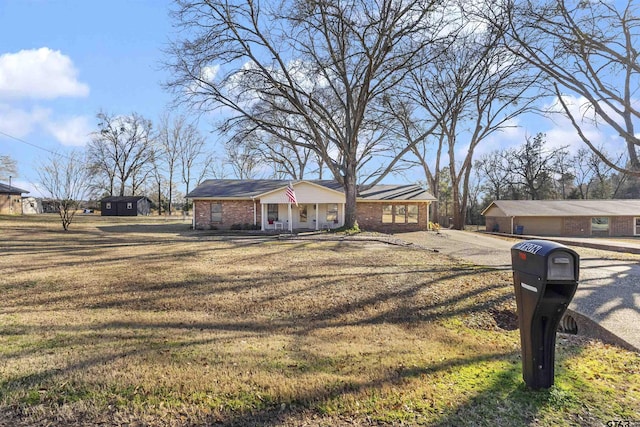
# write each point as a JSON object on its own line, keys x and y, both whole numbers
{"x": 562, "y": 133}
{"x": 39, "y": 74}
{"x": 20, "y": 123}
{"x": 74, "y": 131}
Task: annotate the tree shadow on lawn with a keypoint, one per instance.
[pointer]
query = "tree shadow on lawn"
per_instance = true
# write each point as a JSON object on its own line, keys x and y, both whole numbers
{"x": 505, "y": 402}
{"x": 308, "y": 402}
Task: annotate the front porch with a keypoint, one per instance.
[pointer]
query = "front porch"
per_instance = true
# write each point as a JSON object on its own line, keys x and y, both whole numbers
{"x": 317, "y": 208}
{"x": 305, "y": 216}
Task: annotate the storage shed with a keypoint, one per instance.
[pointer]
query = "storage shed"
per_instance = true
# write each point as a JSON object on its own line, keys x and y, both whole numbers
{"x": 578, "y": 218}
{"x": 125, "y": 206}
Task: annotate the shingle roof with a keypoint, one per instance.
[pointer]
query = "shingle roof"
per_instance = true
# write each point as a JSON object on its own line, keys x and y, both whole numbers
{"x": 115, "y": 199}
{"x": 396, "y": 192}
{"x": 628, "y": 207}
{"x": 10, "y": 189}
{"x": 248, "y": 188}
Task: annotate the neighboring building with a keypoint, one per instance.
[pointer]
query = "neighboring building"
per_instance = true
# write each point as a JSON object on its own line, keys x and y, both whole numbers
{"x": 578, "y": 218}
{"x": 125, "y": 206}
{"x": 10, "y": 199}
{"x": 31, "y": 206}
{"x": 264, "y": 205}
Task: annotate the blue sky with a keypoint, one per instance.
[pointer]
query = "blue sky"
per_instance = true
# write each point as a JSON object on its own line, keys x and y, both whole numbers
{"x": 63, "y": 61}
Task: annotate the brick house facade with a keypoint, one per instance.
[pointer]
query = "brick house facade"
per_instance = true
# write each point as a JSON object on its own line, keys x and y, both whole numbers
{"x": 571, "y": 218}
{"x": 370, "y": 217}
{"x": 262, "y": 204}
{"x": 234, "y": 212}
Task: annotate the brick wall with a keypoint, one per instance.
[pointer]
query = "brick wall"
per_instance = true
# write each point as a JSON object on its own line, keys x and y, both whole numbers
{"x": 622, "y": 226}
{"x": 233, "y": 212}
{"x": 11, "y": 204}
{"x": 576, "y": 226}
{"x": 369, "y": 217}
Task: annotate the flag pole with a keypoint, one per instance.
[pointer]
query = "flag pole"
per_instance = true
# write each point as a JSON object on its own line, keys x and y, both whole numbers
{"x": 291, "y": 197}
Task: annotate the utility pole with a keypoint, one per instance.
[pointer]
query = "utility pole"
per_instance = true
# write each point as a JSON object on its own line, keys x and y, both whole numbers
{"x": 10, "y": 198}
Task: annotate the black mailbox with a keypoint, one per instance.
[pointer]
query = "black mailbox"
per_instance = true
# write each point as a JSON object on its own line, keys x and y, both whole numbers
{"x": 545, "y": 278}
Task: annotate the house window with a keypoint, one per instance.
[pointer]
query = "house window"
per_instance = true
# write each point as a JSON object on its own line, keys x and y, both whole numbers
{"x": 399, "y": 214}
{"x": 600, "y": 225}
{"x": 272, "y": 213}
{"x": 107, "y": 205}
{"x": 387, "y": 214}
{"x": 637, "y": 226}
{"x": 216, "y": 212}
{"x": 129, "y": 205}
{"x": 303, "y": 213}
{"x": 412, "y": 214}
{"x": 332, "y": 212}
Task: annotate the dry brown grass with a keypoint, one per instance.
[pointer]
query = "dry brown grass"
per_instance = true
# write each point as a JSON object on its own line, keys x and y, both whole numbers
{"x": 147, "y": 323}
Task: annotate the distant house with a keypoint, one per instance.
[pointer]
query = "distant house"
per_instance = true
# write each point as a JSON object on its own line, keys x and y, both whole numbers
{"x": 125, "y": 206}
{"x": 11, "y": 199}
{"x": 31, "y": 206}
{"x": 264, "y": 204}
{"x": 578, "y": 218}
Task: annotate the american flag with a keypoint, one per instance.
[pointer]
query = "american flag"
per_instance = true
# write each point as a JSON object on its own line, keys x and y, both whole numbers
{"x": 291, "y": 195}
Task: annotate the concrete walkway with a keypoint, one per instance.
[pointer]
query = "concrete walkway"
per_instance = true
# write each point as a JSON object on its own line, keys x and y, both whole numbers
{"x": 607, "y": 302}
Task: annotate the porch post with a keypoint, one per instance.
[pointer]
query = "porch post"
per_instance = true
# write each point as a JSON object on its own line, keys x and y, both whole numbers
{"x": 255, "y": 213}
{"x": 428, "y": 206}
{"x": 261, "y": 216}
{"x": 290, "y": 219}
{"x": 317, "y": 217}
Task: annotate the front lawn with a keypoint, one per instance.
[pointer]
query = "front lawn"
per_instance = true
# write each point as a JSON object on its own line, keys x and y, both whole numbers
{"x": 153, "y": 324}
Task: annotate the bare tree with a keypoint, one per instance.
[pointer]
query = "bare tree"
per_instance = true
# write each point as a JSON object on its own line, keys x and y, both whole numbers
{"x": 191, "y": 148}
{"x": 210, "y": 166}
{"x": 588, "y": 49}
{"x": 325, "y": 63}
{"x": 564, "y": 169}
{"x": 472, "y": 90}
{"x": 583, "y": 172}
{"x": 120, "y": 151}
{"x": 65, "y": 179}
{"x": 287, "y": 160}
{"x": 244, "y": 159}
{"x": 495, "y": 172}
{"x": 532, "y": 167}
{"x": 8, "y": 167}
{"x": 169, "y": 147}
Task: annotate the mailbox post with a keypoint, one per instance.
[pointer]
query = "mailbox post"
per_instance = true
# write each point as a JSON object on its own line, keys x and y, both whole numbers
{"x": 545, "y": 279}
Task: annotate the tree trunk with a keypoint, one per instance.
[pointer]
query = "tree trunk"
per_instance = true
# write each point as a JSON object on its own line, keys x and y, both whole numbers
{"x": 350, "y": 187}
{"x": 159, "y": 200}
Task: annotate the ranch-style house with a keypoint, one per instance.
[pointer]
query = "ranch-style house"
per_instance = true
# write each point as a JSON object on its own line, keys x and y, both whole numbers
{"x": 577, "y": 218}
{"x": 264, "y": 204}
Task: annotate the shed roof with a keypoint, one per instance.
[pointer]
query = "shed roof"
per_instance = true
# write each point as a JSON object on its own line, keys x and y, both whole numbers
{"x": 532, "y": 208}
{"x": 10, "y": 189}
{"x": 250, "y": 188}
{"x": 115, "y": 199}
